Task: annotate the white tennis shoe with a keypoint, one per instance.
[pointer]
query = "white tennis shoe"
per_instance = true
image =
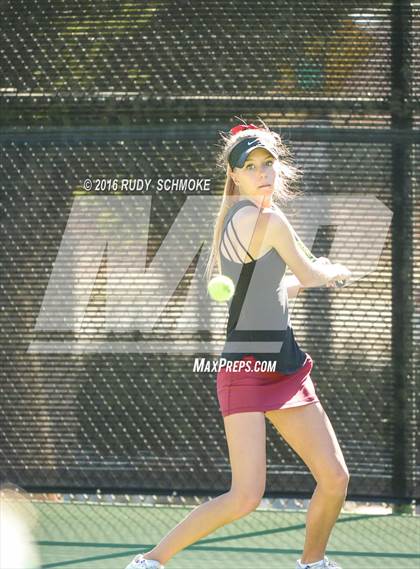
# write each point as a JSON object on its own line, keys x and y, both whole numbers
{"x": 139, "y": 562}
{"x": 325, "y": 564}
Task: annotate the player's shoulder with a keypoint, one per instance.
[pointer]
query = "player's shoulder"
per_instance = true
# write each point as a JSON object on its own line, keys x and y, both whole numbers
{"x": 242, "y": 213}
{"x": 261, "y": 222}
{"x": 273, "y": 216}
{"x": 249, "y": 215}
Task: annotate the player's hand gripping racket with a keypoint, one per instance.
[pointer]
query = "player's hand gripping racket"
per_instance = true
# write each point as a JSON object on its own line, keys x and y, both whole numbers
{"x": 312, "y": 257}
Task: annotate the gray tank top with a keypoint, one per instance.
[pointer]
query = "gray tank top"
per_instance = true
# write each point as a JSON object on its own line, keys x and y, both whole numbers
{"x": 259, "y": 322}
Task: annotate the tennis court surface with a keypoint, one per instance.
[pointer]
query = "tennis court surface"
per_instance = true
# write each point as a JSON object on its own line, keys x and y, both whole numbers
{"x": 107, "y": 536}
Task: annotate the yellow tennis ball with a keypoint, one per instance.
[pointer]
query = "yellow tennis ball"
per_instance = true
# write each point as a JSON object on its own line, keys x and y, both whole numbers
{"x": 221, "y": 288}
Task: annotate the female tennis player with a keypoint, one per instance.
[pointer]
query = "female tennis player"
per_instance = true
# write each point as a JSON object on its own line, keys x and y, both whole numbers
{"x": 253, "y": 242}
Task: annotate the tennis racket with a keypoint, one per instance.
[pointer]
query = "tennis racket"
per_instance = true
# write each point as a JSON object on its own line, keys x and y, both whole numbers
{"x": 311, "y": 256}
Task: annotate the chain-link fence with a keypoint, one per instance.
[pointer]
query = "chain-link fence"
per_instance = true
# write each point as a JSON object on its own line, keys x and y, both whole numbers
{"x": 98, "y": 384}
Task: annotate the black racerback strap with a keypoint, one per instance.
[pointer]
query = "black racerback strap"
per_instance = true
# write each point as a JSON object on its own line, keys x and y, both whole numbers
{"x": 245, "y": 275}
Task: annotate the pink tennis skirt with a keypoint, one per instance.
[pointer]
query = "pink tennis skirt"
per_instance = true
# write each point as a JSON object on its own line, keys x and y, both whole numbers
{"x": 244, "y": 391}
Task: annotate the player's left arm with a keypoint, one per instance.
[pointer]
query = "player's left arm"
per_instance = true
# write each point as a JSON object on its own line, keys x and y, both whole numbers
{"x": 293, "y": 285}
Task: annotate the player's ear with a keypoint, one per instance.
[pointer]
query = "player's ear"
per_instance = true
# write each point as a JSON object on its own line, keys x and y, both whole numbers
{"x": 233, "y": 176}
